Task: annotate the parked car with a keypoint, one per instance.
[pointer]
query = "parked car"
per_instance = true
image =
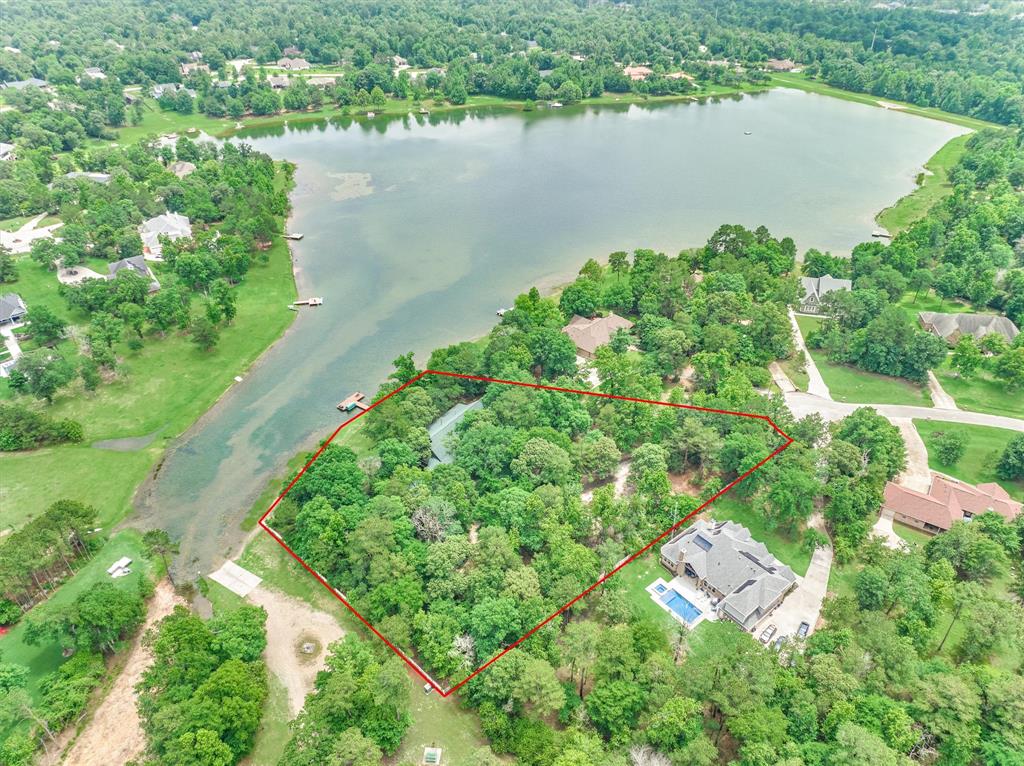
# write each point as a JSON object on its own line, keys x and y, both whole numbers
{"x": 804, "y": 629}
{"x": 777, "y": 646}
{"x": 767, "y": 633}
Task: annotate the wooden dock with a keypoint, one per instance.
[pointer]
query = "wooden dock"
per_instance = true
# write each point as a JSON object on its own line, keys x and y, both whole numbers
{"x": 294, "y": 236}
{"x": 309, "y": 302}
{"x": 353, "y": 402}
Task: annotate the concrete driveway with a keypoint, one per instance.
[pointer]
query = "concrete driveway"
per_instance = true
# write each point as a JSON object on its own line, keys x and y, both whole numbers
{"x": 917, "y": 474}
{"x": 801, "y": 405}
{"x": 815, "y": 383}
{"x": 804, "y": 603}
{"x": 883, "y": 528}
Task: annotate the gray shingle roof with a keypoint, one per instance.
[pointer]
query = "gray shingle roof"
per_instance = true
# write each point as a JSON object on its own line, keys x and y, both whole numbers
{"x": 443, "y": 426}
{"x": 11, "y": 307}
{"x": 819, "y": 287}
{"x": 975, "y": 325}
{"x": 725, "y": 556}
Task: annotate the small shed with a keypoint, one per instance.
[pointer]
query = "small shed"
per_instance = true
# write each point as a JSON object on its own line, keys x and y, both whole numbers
{"x": 120, "y": 567}
{"x": 432, "y": 756}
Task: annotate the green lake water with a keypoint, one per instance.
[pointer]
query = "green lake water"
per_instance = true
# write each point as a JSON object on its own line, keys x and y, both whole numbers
{"x": 418, "y": 229}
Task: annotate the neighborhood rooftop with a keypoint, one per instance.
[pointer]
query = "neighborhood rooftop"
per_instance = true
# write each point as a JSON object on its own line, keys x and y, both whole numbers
{"x": 589, "y": 334}
{"x": 946, "y": 501}
{"x": 951, "y": 327}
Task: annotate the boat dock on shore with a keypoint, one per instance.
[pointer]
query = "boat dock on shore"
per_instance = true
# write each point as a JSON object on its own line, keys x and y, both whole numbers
{"x": 353, "y": 402}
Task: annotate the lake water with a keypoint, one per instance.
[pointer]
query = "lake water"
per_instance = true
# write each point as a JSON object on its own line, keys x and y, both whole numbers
{"x": 418, "y": 229}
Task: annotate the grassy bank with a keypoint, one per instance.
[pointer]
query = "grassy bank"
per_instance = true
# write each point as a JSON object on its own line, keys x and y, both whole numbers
{"x": 984, "y": 446}
{"x": 980, "y": 393}
{"x": 932, "y": 187}
{"x": 803, "y": 82}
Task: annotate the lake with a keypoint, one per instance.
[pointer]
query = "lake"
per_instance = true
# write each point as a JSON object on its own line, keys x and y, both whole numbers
{"x": 418, "y": 229}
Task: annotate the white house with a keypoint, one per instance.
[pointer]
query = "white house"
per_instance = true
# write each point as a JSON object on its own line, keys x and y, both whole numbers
{"x": 170, "y": 225}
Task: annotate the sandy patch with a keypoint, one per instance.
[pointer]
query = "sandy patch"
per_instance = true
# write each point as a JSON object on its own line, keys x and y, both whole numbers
{"x": 351, "y": 186}
{"x": 114, "y": 735}
{"x": 297, "y": 641}
{"x": 890, "y": 105}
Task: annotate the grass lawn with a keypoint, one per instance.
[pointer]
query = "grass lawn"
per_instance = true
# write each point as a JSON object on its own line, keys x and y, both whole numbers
{"x": 636, "y": 576}
{"x": 984, "y": 446}
{"x": 163, "y": 387}
{"x": 931, "y": 302}
{"x": 982, "y": 393}
{"x": 932, "y": 187}
{"x": 782, "y": 547}
{"x": 850, "y": 384}
{"x": 42, "y": 660}
{"x": 915, "y": 537}
{"x": 803, "y": 82}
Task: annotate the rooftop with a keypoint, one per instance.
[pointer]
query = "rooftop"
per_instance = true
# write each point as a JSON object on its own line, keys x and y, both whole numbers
{"x": 949, "y": 500}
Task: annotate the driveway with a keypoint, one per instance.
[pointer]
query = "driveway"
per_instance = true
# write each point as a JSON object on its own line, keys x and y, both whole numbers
{"x": 815, "y": 383}
{"x": 916, "y": 475}
{"x": 802, "y": 404}
{"x": 781, "y": 379}
{"x": 883, "y": 528}
{"x": 804, "y": 603}
{"x": 940, "y": 398}
{"x": 11, "y": 342}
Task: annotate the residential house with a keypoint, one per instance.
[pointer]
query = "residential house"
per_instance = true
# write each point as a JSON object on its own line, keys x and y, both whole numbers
{"x": 322, "y": 80}
{"x": 744, "y": 580}
{"x": 680, "y": 75}
{"x": 816, "y": 288}
{"x": 33, "y": 82}
{"x": 441, "y": 428}
{"x": 193, "y": 67}
{"x": 7, "y": 152}
{"x": 136, "y": 265}
{"x": 181, "y": 168}
{"x": 170, "y": 88}
{"x": 95, "y": 73}
{"x": 277, "y": 81}
{"x": 946, "y": 501}
{"x": 97, "y": 178}
{"x": 400, "y": 64}
{"x": 589, "y": 334}
{"x": 12, "y": 308}
{"x": 951, "y": 327}
{"x": 293, "y": 65}
{"x": 780, "y": 65}
{"x": 291, "y": 50}
{"x": 638, "y": 72}
{"x": 171, "y": 225}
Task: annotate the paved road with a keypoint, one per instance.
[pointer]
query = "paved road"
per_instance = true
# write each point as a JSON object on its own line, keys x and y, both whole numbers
{"x": 815, "y": 383}
{"x": 804, "y": 404}
{"x": 917, "y": 474}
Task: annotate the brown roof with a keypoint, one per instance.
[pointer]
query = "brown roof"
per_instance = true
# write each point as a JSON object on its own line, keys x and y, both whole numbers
{"x": 640, "y": 72}
{"x": 948, "y": 500}
{"x": 588, "y": 334}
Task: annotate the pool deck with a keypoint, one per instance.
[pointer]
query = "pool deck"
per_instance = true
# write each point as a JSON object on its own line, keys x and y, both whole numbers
{"x": 684, "y": 588}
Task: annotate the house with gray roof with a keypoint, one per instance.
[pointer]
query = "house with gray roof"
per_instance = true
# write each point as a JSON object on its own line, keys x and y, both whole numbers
{"x": 170, "y": 225}
{"x": 99, "y": 178}
{"x": 136, "y": 265}
{"x": 951, "y": 327}
{"x": 745, "y": 581}
{"x": 443, "y": 427}
{"x": 170, "y": 88}
{"x": 34, "y": 82}
{"x": 816, "y": 288}
{"x": 12, "y": 308}
{"x": 7, "y": 152}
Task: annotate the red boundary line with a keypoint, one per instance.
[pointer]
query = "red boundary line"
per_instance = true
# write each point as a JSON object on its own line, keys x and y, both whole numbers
{"x": 411, "y": 663}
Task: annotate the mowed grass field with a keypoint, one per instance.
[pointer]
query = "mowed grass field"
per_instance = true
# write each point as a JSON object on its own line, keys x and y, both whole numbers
{"x": 981, "y": 393}
{"x": 162, "y": 388}
{"x": 850, "y": 384}
{"x": 933, "y": 186}
{"x": 984, "y": 446}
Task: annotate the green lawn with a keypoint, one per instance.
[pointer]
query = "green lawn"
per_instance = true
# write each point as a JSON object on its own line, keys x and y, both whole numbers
{"x": 915, "y": 537}
{"x": 850, "y": 384}
{"x": 164, "y": 387}
{"x": 981, "y": 393}
{"x": 984, "y": 447}
{"x": 932, "y": 187}
{"x": 803, "y": 82}
{"x": 636, "y": 576}
{"x": 42, "y": 660}
{"x": 931, "y": 302}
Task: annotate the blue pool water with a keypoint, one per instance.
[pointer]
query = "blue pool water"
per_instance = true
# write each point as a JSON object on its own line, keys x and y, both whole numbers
{"x": 660, "y": 588}
{"x": 680, "y": 606}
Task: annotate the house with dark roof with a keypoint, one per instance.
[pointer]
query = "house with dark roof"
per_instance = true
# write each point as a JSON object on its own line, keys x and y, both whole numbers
{"x": 12, "y": 308}
{"x": 947, "y": 500}
{"x": 590, "y": 333}
{"x": 136, "y": 265}
{"x": 293, "y": 65}
{"x": 952, "y": 327}
{"x": 816, "y": 288}
{"x": 33, "y": 82}
{"x": 744, "y": 580}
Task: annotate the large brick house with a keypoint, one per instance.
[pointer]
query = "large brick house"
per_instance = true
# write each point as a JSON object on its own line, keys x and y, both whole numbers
{"x": 946, "y": 501}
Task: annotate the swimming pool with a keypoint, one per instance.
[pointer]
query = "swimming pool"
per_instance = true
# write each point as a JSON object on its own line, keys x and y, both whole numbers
{"x": 681, "y": 606}
{"x": 660, "y": 588}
